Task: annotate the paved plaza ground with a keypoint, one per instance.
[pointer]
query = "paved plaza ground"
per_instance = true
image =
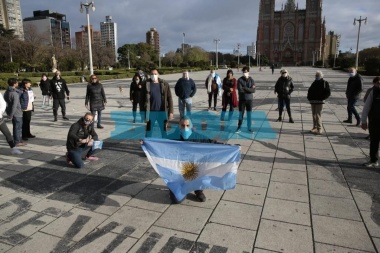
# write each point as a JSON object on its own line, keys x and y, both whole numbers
{"x": 296, "y": 192}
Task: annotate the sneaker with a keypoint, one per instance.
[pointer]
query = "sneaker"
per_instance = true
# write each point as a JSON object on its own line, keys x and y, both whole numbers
{"x": 65, "y": 118}
{"x": 101, "y": 127}
{"x": 238, "y": 130}
{"x": 16, "y": 151}
{"x": 371, "y": 164}
{"x": 314, "y": 130}
{"x": 91, "y": 158}
{"x": 200, "y": 195}
{"x": 347, "y": 121}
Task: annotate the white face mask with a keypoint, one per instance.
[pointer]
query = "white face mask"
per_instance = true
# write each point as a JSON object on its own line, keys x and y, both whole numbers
{"x": 213, "y": 74}
{"x": 154, "y": 77}
{"x": 58, "y": 77}
{"x": 246, "y": 75}
{"x": 352, "y": 74}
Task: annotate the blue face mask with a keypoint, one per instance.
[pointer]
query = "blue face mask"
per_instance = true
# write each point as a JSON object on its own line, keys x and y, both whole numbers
{"x": 317, "y": 78}
{"x": 186, "y": 133}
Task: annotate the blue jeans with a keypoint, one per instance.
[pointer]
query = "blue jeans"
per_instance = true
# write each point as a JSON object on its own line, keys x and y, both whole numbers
{"x": 181, "y": 106}
{"x": 17, "y": 129}
{"x": 99, "y": 116}
{"x": 75, "y": 155}
{"x": 351, "y": 102}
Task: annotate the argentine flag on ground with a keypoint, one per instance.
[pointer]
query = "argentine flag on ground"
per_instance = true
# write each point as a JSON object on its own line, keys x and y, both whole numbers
{"x": 190, "y": 166}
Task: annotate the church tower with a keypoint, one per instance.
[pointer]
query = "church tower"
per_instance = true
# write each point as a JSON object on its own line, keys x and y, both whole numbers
{"x": 290, "y": 36}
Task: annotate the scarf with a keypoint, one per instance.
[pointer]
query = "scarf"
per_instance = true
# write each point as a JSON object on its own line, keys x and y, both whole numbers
{"x": 210, "y": 78}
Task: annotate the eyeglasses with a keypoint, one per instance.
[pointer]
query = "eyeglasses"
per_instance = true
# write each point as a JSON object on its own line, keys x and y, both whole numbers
{"x": 184, "y": 125}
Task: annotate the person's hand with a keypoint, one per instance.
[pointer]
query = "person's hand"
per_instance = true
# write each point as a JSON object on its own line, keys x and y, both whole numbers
{"x": 170, "y": 116}
{"x": 83, "y": 140}
{"x": 231, "y": 89}
{"x": 68, "y": 98}
{"x": 141, "y": 142}
{"x": 90, "y": 142}
{"x": 364, "y": 126}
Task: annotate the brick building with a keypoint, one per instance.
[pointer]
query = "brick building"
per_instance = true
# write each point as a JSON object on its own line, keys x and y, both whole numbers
{"x": 291, "y": 36}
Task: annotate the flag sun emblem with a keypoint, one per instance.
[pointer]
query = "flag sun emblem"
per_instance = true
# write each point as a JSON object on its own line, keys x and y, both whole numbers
{"x": 189, "y": 171}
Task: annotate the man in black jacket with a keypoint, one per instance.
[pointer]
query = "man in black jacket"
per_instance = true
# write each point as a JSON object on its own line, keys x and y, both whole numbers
{"x": 284, "y": 87}
{"x": 185, "y": 89}
{"x": 353, "y": 90}
{"x": 58, "y": 88}
{"x": 81, "y": 135}
{"x": 246, "y": 87}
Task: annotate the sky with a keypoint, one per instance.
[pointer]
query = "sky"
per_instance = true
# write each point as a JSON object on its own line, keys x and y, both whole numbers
{"x": 203, "y": 21}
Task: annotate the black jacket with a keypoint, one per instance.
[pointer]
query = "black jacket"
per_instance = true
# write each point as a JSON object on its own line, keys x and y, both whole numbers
{"x": 318, "y": 92}
{"x": 354, "y": 87}
{"x": 136, "y": 93}
{"x": 45, "y": 87}
{"x": 78, "y": 131}
{"x": 246, "y": 88}
{"x": 284, "y": 86}
{"x": 95, "y": 96}
{"x": 58, "y": 88}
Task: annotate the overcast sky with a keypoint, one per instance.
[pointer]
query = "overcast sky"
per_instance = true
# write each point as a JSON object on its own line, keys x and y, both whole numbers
{"x": 202, "y": 21}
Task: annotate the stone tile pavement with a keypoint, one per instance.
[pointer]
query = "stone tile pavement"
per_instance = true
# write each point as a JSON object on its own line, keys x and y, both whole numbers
{"x": 296, "y": 192}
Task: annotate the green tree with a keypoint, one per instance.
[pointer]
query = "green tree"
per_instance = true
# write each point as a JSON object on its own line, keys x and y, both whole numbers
{"x": 196, "y": 54}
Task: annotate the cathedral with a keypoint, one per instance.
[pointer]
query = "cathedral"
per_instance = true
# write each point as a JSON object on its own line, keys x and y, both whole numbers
{"x": 291, "y": 36}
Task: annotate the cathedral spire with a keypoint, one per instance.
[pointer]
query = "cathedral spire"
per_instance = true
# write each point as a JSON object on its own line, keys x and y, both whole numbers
{"x": 290, "y": 5}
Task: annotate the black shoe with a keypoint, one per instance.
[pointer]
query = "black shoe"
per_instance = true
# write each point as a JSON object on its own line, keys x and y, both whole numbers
{"x": 358, "y": 123}
{"x": 100, "y": 126}
{"x": 173, "y": 198}
{"x": 347, "y": 121}
{"x": 200, "y": 196}
{"x": 65, "y": 118}
{"x": 279, "y": 119}
{"x": 214, "y": 108}
{"x": 24, "y": 138}
{"x": 291, "y": 120}
{"x": 55, "y": 119}
{"x": 31, "y": 136}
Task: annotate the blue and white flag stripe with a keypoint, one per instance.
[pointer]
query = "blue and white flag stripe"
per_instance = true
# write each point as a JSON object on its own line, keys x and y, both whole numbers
{"x": 215, "y": 169}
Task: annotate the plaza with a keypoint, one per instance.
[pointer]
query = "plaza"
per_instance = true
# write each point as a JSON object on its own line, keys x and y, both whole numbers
{"x": 296, "y": 191}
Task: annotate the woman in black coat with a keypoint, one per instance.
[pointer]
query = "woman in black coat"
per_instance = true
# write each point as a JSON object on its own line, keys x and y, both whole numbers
{"x": 97, "y": 98}
{"x": 137, "y": 95}
{"x": 284, "y": 87}
{"x": 45, "y": 89}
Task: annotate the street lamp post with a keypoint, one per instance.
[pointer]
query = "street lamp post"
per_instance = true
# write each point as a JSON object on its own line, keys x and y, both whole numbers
{"x": 336, "y": 48}
{"x": 87, "y": 6}
{"x": 238, "y": 55}
{"x": 357, "y": 43}
{"x": 216, "y": 53}
{"x": 314, "y": 53}
{"x": 129, "y": 61}
{"x": 183, "y": 45}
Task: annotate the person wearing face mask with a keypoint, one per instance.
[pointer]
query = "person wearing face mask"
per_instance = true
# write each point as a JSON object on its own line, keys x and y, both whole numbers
{"x": 45, "y": 89}
{"x": 212, "y": 84}
{"x": 136, "y": 95}
{"x": 318, "y": 92}
{"x": 371, "y": 110}
{"x": 246, "y": 87}
{"x": 284, "y": 87}
{"x": 353, "y": 90}
{"x": 186, "y": 132}
{"x": 229, "y": 95}
{"x": 158, "y": 103}
{"x": 185, "y": 89}
{"x": 96, "y": 97}
{"x": 26, "y": 101}
{"x": 58, "y": 88}
{"x": 80, "y": 136}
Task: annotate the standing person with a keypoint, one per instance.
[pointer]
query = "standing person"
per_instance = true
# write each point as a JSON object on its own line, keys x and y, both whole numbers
{"x": 212, "y": 85}
{"x": 272, "y": 68}
{"x": 4, "y": 128}
{"x": 97, "y": 98}
{"x": 353, "y": 90}
{"x": 246, "y": 87}
{"x": 318, "y": 92}
{"x": 80, "y": 136}
{"x": 229, "y": 95}
{"x": 158, "y": 103}
{"x": 27, "y": 98}
{"x": 371, "y": 110}
{"x": 284, "y": 88}
{"x": 14, "y": 111}
{"x": 45, "y": 89}
{"x": 185, "y": 89}
{"x": 137, "y": 96}
{"x": 58, "y": 88}
{"x": 365, "y": 99}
